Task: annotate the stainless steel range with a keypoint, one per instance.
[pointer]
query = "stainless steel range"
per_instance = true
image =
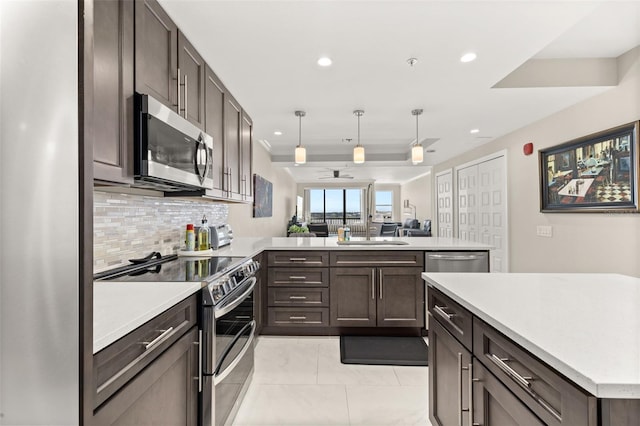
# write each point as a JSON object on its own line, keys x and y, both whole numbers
{"x": 226, "y": 321}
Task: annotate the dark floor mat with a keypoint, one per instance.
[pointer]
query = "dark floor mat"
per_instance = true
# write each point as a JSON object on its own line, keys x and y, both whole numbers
{"x": 378, "y": 350}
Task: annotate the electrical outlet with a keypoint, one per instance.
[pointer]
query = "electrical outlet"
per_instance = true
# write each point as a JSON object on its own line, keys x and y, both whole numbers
{"x": 544, "y": 231}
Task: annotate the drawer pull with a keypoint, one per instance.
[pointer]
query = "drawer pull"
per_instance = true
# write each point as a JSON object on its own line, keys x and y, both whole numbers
{"x": 450, "y": 257}
{"x": 163, "y": 335}
{"x": 298, "y": 318}
{"x": 240, "y": 317}
{"x": 297, "y": 259}
{"x": 500, "y": 363}
{"x": 373, "y": 283}
{"x": 297, "y": 297}
{"x": 441, "y": 310}
{"x": 297, "y": 277}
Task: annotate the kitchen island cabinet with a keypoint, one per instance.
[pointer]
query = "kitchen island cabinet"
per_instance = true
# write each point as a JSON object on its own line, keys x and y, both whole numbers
{"x": 558, "y": 359}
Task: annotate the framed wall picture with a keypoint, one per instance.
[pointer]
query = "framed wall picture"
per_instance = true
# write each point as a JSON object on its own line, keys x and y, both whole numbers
{"x": 596, "y": 173}
{"x": 262, "y": 197}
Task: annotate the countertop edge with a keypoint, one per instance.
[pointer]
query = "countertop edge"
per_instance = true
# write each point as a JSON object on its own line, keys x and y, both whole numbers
{"x": 599, "y": 390}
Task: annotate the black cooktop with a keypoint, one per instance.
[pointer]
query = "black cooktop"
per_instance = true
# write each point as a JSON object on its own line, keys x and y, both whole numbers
{"x": 172, "y": 269}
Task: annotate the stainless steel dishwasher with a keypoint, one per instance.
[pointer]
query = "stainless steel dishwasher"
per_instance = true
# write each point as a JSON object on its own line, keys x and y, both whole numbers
{"x": 456, "y": 261}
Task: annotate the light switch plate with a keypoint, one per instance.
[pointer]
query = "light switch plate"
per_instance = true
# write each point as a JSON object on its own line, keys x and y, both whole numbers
{"x": 544, "y": 231}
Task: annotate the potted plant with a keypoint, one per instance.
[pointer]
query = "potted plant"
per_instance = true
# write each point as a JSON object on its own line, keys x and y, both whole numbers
{"x": 297, "y": 229}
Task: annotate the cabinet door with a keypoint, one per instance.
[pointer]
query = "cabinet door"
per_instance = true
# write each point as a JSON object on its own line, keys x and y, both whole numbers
{"x": 495, "y": 405}
{"x": 166, "y": 392}
{"x": 156, "y": 53}
{"x": 214, "y": 125}
{"x": 246, "y": 142}
{"x": 448, "y": 378}
{"x": 191, "y": 68}
{"x": 113, "y": 91}
{"x": 232, "y": 119}
{"x": 400, "y": 297}
{"x": 352, "y": 297}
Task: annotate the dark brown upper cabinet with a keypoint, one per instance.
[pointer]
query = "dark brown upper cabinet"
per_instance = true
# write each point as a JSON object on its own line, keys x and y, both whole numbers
{"x": 113, "y": 91}
{"x": 246, "y": 154}
{"x": 156, "y": 41}
{"x": 214, "y": 94}
{"x": 191, "y": 72}
{"x": 232, "y": 121}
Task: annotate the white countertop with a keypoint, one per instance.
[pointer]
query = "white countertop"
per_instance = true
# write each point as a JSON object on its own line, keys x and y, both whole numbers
{"x": 586, "y": 326}
{"x": 246, "y": 247}
{"x": 121, "y": 307}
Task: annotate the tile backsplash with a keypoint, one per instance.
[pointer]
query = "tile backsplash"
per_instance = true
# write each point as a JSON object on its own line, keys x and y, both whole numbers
{"x": 129, "y": 226}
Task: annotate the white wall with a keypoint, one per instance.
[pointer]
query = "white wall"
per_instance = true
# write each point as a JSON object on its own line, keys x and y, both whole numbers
{"x": 419, "y": 192}
{"x": 284, "y": 201}
{"x": 581, "y": 242}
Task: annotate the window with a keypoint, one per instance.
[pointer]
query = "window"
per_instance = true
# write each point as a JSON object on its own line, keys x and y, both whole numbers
{"x": 384, "y": 205}
{"x": 335, "y": 205}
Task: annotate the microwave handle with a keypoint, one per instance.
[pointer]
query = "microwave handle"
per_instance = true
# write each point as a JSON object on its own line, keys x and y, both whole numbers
{"x": 201, "y": 145}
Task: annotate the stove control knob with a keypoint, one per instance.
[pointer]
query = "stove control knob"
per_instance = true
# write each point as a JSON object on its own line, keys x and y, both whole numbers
{"x": 226, "y": 285}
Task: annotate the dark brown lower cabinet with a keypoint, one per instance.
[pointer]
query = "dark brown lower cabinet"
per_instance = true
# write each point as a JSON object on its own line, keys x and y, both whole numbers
{"x": 448, "y": 377}
{"x": 495, "y": 405}
{"x": 164, "y": 393}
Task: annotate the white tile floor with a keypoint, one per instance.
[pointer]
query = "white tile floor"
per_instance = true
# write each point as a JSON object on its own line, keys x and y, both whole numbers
{"x": 300, "y": 381}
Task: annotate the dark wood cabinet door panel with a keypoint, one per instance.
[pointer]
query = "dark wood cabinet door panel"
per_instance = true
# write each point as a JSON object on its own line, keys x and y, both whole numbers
{"x": 552, "y": 398}
{"x": 214, "y": 124}
{"x": 352, "y": 295}
{"x": 246, "y": 153}
{"x": 377, "y": 258}
{"x": 192, "y": 71}
{"x": 298, "y": 317}
{"x": 448, "y": 389}
{"x": 166, "y": 392}
{"x": 156, "y": 53}
{"x": 401, "y": 297}
{"x": 300, "y": 277}
{"x": 291, "y": 296}
{"x": 232, "y": 120}
{"x": 495, "y": 405}
{"x": 456, "y": 319}
{"x": 298, "y": 258}
{"x": 113, "y": 91}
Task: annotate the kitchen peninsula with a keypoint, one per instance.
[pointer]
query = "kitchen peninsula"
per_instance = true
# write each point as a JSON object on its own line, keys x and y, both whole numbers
{"x": 563, "y": 347}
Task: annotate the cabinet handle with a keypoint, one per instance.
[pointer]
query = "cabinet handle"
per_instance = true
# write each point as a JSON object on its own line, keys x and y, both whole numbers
{"x": 163, "y": 335}
{"x": 199, "y": 343}
{"x": 460, "y": 410}
{"x": 297, "y": 318}
{"x": 373, "y": 283}
{"x": 298, "y": 297}
{"x": 500, "y": 363}
{"x": 297, "y": 277}
{"x": 297, "y": 259}
{"x": 380, "y": 274}
{"x": 186, "y": 99}
{"x": 441, "y": 311}
{"x": 179, "y": 109}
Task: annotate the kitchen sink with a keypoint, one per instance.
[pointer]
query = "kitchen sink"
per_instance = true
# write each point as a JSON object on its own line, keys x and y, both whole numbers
{"x": 372, "y": 243}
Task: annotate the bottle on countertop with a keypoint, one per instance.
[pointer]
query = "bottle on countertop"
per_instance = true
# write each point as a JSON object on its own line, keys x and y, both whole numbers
{"x": 203, "y": 235}
{"x": 190, "y": 239}
{"x": 347, "y": 233}
{"x": 341, "y": 234}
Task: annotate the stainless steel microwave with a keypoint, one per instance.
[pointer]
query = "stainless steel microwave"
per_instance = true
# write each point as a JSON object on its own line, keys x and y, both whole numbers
{"x": 170, "y": 154}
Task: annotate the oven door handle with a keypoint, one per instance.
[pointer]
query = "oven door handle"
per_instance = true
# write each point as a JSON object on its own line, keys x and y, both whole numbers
{"x": 226, "y": 308}
{"x": 220, "y": 376}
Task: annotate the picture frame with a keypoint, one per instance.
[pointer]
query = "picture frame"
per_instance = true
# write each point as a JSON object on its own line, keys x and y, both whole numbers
{"x": 262, "y": 197}
{"x": 595, "y": 173}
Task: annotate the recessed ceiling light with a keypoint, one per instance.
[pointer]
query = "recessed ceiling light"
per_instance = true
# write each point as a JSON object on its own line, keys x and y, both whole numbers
{"x": 468, "y": 57}
{"x": 324, "y": 61}
{"x": 474, "y": 131}
{"x": 277, "y": 133}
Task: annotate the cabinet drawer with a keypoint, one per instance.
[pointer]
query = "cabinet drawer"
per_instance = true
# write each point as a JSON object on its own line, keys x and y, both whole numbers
{"x": 306, "y": 317}
{"x": 302, "y": 277}
{"x": 551, "y": 397}
{"x": 377, "y": 258}
{"x": 291, "y": 296}
{"x": 455, "y": 318}
{"x": 298, "y": 258}
{"x": 116, "y": 364}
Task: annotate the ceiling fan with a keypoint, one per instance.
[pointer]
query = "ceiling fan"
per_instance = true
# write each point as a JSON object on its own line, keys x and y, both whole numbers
{"x": 336, "y": 175}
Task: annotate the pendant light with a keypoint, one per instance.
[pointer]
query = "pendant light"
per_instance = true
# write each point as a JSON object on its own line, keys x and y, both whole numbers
{"x": 417, "y": 153}
{"x": 358, "y": 151}
{"x": 301, "y": 152}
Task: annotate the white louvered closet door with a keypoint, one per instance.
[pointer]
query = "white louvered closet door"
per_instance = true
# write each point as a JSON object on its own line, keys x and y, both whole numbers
{"x": 444, "y": 204}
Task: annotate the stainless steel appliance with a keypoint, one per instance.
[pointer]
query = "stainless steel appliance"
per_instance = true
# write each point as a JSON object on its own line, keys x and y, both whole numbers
{"x": 456, "y": 261}
{"x": 170, "y": 153}
{"x": 226, "y": 321}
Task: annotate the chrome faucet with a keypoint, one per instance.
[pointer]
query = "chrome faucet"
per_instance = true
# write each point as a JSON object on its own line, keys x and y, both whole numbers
{"x": 368, "y": 211}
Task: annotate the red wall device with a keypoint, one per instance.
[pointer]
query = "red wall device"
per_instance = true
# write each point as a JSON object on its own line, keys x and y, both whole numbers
{"x": 528, "y": 148}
